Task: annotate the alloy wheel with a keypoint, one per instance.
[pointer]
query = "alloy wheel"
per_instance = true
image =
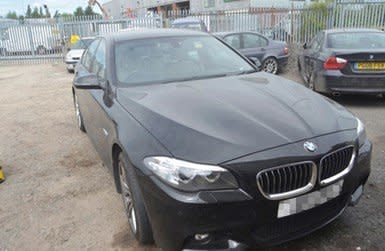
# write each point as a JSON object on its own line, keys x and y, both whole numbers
{"x": 127, "y": 198}
{"x": 270, "y": 65}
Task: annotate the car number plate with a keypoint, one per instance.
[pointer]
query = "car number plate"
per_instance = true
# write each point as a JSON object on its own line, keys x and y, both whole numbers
{"x": 370, "y": 66}
{"x": 309, "y": 201}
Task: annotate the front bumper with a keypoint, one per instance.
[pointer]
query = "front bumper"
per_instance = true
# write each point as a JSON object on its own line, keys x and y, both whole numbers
{"x": 70, "y": 65}
{"x": 334, "y": 81}
{"x": 243, "y": 218}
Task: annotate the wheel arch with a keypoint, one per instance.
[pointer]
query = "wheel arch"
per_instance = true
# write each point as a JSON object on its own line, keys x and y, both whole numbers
{"x": 116, "y": 150}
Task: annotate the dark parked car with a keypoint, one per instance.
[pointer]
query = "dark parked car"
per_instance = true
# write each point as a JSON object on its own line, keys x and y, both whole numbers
{"x": 189, "y": 23}
{"x": 206, "y": 152}
{"x": 272, "y": 54}
{"x": 345, "y": 61}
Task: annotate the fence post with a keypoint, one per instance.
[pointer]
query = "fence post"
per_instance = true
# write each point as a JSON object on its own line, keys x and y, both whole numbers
{"x": 333, "y": 15}
{"x": 30, "y": 36}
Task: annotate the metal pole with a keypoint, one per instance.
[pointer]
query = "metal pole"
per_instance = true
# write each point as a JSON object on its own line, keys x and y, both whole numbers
{"x": 30, "y": 36}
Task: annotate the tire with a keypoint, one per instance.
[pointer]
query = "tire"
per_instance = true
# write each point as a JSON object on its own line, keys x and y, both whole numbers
{"x": 71, "y": 71}
{"x": 270, "y": 65}
{"x": 79, "y": 117}
{"x": 133, "y": 202}
{"x": 41, "y": 50}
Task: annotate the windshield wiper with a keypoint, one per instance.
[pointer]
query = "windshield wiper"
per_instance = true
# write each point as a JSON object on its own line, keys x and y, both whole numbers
{"x": 193, "y": 78}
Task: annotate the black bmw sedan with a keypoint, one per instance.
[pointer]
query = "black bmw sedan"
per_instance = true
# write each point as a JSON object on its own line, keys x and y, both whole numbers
{"x": 206, "y": 152}
{"x": 343, "y": 61}
{"x": 272, "y": 54}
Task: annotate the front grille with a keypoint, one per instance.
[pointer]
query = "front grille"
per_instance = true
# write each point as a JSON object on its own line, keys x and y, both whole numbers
{"x": 336, "y": 164}
{"x": 287, "y": 181}
{"x": 76, "y": 58}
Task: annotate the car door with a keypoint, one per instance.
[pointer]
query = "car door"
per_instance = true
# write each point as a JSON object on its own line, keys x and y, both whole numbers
{"x": 254, "y": 45}
{"x": 83, "y": 69}
{"x": 100, "y": 102}
{"x": 311, "y": 54}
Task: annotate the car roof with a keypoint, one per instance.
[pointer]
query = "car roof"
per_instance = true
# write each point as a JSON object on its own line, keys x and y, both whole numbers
{"x": 186, "y": 20}
{"x": 223, "y": 34}
{"x": 152, "y": 33}
{"x": 342, "y": 30}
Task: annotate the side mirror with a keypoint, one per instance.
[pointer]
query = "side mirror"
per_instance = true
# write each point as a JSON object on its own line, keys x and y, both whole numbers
{"x": 305, "y": 46}
{"x": 88, "y": 81}
{"x": 256, "y": 62}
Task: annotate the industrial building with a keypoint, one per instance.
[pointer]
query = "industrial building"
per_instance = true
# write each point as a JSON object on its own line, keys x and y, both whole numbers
{"x": 119, "y": 8}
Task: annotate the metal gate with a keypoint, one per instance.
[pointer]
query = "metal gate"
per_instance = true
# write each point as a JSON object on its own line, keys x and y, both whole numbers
{"x": 47, "y": 40}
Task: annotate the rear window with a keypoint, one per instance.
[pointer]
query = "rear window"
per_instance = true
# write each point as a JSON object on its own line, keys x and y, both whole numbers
{"x": 356, "y": 40}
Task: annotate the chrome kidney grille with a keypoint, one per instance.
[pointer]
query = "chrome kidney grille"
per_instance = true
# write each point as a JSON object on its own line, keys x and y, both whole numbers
{"x": 288, "y": 180}
{"x": 298, "y": 178}
{"x": 336, "y": 164}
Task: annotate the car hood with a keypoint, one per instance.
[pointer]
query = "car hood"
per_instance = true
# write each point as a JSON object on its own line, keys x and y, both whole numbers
{"x": 75, "y": 53}
{"x": 215, "y": 120}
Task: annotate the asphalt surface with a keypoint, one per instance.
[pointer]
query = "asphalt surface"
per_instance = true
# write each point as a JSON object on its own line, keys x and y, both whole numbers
{"x": 58, "y": 196}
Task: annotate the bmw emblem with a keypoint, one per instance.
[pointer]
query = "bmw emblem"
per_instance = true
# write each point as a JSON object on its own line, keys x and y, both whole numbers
{"x": 310, "y": 146}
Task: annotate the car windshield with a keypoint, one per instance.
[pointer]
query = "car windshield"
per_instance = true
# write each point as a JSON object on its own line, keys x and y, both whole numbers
{"x": 356, "y": 40}
{"x": 171, "y": 59}
{"x": 82, "y": 44}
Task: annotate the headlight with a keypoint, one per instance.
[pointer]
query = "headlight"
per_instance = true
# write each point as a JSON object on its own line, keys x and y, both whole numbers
{"x": 361, "y": 132}
{"x": 189, "y": 176}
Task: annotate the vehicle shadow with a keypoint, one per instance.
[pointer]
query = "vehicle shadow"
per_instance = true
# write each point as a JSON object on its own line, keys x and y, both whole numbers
{"x": 360, "y": 100}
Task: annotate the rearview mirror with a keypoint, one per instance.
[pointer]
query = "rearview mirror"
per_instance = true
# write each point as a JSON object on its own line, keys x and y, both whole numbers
{"x": 305, "y": 46}
{"x": 256, "y": 62}
{"x": 89, "y": 81}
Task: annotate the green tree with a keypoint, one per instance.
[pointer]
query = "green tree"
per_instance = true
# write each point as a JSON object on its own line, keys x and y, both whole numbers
{"x": 12, "y": 15}
{"x": 88, "y": 11}
{"x": 57, "y": 14}
{"x": 79, "y": 12}
{"x": 313, "y": 19}
{"x": 66, "y": 15}
{"x": 47, "y": 13}
{"x": 28, "y": 14}
{"x": 41, "y": 14}
{"x": 21, "y": 19}
{"x": 35, "y": 13}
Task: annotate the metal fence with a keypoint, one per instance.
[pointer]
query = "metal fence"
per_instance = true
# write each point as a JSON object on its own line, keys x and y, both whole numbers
{"x": 293, "y": 25}
{"x": 47, "y": 40}
{"x": 42, "y": 40}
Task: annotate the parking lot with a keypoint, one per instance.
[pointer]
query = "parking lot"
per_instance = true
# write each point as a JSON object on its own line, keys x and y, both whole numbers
{"x": 58, "y": 196}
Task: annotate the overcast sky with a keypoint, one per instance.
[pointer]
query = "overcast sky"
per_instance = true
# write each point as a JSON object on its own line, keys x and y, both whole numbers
{"x": 20, "y": 6}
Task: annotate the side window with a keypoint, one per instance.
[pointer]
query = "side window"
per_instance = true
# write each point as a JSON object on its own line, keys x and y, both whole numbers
{"x": 99, "y": 65}
{"x": 253, "y": 41}
{"x": 89, "y": 55}
{"x": 233, "y": 40}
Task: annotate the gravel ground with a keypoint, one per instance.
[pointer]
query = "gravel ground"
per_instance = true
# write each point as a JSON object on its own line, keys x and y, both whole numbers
{"x": 58, "y": 196}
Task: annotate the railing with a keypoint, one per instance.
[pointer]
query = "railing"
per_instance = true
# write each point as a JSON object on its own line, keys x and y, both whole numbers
{"x": 41, "y": 40}
{"x": 47, "y": 40}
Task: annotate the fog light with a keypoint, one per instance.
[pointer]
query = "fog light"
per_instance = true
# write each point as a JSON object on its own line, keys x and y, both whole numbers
{"x": 201, "y": 237}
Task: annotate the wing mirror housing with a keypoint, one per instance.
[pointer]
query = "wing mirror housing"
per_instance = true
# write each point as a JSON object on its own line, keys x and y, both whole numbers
{"x": 256, "y": 63}
{"x": 88, "y": 81}
{"x": 305, "y": 46}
